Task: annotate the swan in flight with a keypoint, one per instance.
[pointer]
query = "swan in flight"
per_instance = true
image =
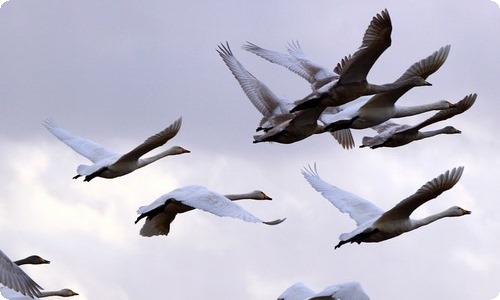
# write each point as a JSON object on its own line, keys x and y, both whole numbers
{"x": 370, "y": 111}
{"x": 297, "y": 62}
{"x": 394, "y": 135}
{"x": 375, "y": 225}
{"x": 107, "y": 163}
{"x": 13, "y": 295}
{"x": 12, "y": 277}
{"x": 354, "y": 69}
{"x": 350, "y": 290}
{"x": 162, "y": 211}
{"x": 280, "y": 125}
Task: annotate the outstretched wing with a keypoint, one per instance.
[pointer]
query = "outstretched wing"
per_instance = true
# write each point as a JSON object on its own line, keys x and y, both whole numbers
{"x": 14, "y": 278}
{"x": 427, "y": 192}
{"x": 296, "y": 61}
{"x": 359, "y": 209}
{"x": 460, "y": 107}
{"x": 91, "y": 150}
{"x": 258, "y": 93}
{"x": 153, "y": 142}
{"x": 376, "y": 40}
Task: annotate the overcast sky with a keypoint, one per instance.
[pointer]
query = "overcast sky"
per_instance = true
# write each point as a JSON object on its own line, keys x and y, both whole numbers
{"x": 119, "y": 71}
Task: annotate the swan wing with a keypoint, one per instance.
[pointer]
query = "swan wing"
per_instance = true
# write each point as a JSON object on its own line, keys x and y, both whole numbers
{"x": 385, "y": 131}
{"x": 258, "y": 93}
{"x": 87, "y": 148}
{"x": 13, "y": 277}
{"x": 221, "y": 206}
{"x": 344, "y": 138}
{"x": 427, "y": 66}
{"x": 359, "y": 209}
{"x": 296, "y": 291}
{"x": 152, "y": 142}
{"x": 376, "y": 40}
{"x": 428, "y": 191}
{"x": 460, "y": 107}
{"x": 296, "y": 61}
{"x": 346, "y": 290}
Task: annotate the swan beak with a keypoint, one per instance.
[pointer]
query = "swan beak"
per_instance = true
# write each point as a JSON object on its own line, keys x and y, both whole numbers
{"x": 466, "y": 212}
{"x": 185, "y": 151}
{"x": 428, "y": 83}
{"x": 266, "y": 197}
{"x": 453, "y": 105}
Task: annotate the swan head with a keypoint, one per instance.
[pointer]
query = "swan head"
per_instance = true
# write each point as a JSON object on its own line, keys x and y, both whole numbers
{"x": 451, "y": 130}
{"x": 33, "y": 260}
{"x": 175, "y": 150}
{"x": 456, "y": 211}
{"x": 259, "y": 195}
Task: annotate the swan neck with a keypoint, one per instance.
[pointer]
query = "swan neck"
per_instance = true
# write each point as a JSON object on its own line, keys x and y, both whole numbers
{"x": 405, "y": 111}
{"x": 49, "y": 294}
{"x": 234, "y": 197}
{"x": 431, "y": 218}
{"x": 147, "y": 160}
{"x": 430, "y": 133}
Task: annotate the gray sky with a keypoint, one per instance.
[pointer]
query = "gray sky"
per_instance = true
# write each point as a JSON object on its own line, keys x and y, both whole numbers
{"x": 117, "y": 72}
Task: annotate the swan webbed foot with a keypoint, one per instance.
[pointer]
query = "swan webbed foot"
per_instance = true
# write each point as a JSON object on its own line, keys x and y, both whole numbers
{"x": 77, "y": 176}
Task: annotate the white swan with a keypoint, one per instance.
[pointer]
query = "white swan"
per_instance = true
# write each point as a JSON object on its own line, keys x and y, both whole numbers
{"x": 13, "y": 295}
{"x": 284, "y": 127}
{"x": 351, "y": 290}
{"x": 353, "y": 70}
{"x": 297, "y": 62}
{"x": 375, "y": 225}
{"x": 12, "y": 277}
{"x": 394, "y": 135}
{"x": 368, "y": 112}
{"x": 163, "y": 210}
{"x": 107, "y": 163}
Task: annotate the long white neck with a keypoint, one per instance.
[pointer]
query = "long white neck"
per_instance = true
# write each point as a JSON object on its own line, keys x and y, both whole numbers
{"x": 251, "y": 195}
{"x": 405, "y": 111}
{"x": 430, "y": 133}
{"x": 147, "y": 160}
{"x": 425, "y": 221}
{"x": 51, "y": 293}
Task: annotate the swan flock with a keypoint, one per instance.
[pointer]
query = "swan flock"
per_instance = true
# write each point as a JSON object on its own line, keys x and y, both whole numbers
{"x": 339, "y": 101}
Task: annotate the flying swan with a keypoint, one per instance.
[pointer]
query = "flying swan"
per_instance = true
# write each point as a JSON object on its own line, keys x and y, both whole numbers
{"x": 370, "y": 111}
{"x": 375, "y": 225}
{"x": 394, "y": 135}
{"x": 354, "y": 69}
{"x": 350, "y": 290}
{"x": 107, "y": 163}
{"x": 13, "y": 295}
{"x": 163, "y": 210}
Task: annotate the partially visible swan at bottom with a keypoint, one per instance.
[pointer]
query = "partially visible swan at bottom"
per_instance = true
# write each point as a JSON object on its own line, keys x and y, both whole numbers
{"x": 350, "y": 290}
{"x": 162, "y": 211}
{"x": 394, "y": 135}
{"x": 13, "y": 277}
{"x": 13, "y": 295}
{"x": 375, "y": 225}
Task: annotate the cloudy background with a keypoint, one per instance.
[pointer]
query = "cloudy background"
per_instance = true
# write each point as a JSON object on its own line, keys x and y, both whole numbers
{"x": 119, "y": 71}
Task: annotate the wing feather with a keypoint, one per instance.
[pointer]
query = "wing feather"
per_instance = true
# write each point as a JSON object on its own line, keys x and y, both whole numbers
{"x": 359, "y": 209}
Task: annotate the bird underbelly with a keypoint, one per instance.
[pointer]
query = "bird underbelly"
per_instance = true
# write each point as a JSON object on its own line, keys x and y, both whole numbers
{"x": 375, "y": 117}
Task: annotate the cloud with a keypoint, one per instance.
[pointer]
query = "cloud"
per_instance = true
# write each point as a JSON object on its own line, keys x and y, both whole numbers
{"x": 116, "y": 73}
